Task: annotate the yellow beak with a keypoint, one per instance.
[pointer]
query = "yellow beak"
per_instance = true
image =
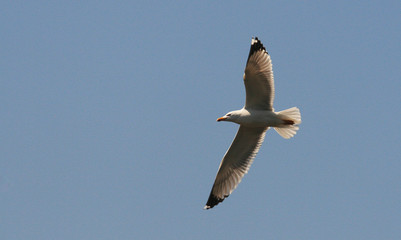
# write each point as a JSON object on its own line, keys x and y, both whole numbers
{"x": 221, "y": 119}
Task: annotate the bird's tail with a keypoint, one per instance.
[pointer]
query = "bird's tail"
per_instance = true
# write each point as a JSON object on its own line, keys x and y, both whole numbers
{"x": 291, "y": 118}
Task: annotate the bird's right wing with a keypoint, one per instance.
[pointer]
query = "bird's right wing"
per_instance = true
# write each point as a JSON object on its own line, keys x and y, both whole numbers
{"x": 236, "y": 163}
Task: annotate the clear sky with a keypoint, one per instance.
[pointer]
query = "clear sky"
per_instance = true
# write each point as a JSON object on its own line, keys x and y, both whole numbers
{"x": 108, "y": 119}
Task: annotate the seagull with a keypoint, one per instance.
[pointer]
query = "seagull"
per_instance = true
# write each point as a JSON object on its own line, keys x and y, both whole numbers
{"x": 255, "y": 118}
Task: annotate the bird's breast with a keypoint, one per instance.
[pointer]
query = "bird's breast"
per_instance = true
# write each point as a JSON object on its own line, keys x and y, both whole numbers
{"x": 260, "y": 118}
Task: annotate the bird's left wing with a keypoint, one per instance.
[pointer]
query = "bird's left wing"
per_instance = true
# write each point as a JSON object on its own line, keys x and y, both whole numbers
{"x": 258, "y": 78}
{"x": 236, "y": 163}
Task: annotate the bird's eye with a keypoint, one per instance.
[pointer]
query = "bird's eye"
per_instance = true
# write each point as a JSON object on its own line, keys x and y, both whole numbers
{"x": 228, "y": 114}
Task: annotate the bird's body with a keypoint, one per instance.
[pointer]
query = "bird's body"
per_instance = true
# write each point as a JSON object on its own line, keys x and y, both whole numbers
{"x": 255, "y": 118}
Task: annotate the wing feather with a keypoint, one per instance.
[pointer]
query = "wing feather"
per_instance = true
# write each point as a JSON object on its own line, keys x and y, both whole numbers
{"x": 236, "y": 163}
{"x": 258, "y": 78}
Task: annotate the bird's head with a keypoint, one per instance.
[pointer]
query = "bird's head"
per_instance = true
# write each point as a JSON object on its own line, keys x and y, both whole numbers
{"x": 230, "y": 117}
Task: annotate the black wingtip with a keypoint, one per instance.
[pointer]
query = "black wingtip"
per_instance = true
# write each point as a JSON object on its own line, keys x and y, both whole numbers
{"x": 213, "y": 201}
{"x": 256, "y": 45}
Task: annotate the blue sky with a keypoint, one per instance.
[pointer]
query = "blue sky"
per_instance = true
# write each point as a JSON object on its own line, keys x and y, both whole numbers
{"x": 108, "y": 119}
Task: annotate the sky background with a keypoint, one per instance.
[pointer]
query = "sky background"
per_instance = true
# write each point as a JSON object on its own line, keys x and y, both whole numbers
{"x": 108, "y": 119}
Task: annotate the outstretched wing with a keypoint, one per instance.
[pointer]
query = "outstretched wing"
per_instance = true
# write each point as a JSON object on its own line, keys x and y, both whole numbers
{"x": 258, "y": 78}
{"x": 236, "y": 163}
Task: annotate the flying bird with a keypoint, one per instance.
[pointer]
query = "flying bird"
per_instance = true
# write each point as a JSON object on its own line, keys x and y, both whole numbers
{"x": 255, "y": 118}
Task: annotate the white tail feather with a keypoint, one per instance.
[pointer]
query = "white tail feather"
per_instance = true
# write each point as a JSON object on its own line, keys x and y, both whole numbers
{"x": 291, "y": 114}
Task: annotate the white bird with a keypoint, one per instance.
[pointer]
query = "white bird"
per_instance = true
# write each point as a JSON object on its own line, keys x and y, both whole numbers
{"x": 255, "y": 118}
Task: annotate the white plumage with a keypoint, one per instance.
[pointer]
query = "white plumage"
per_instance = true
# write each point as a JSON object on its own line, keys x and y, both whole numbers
{"x": 254, "y": 119}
